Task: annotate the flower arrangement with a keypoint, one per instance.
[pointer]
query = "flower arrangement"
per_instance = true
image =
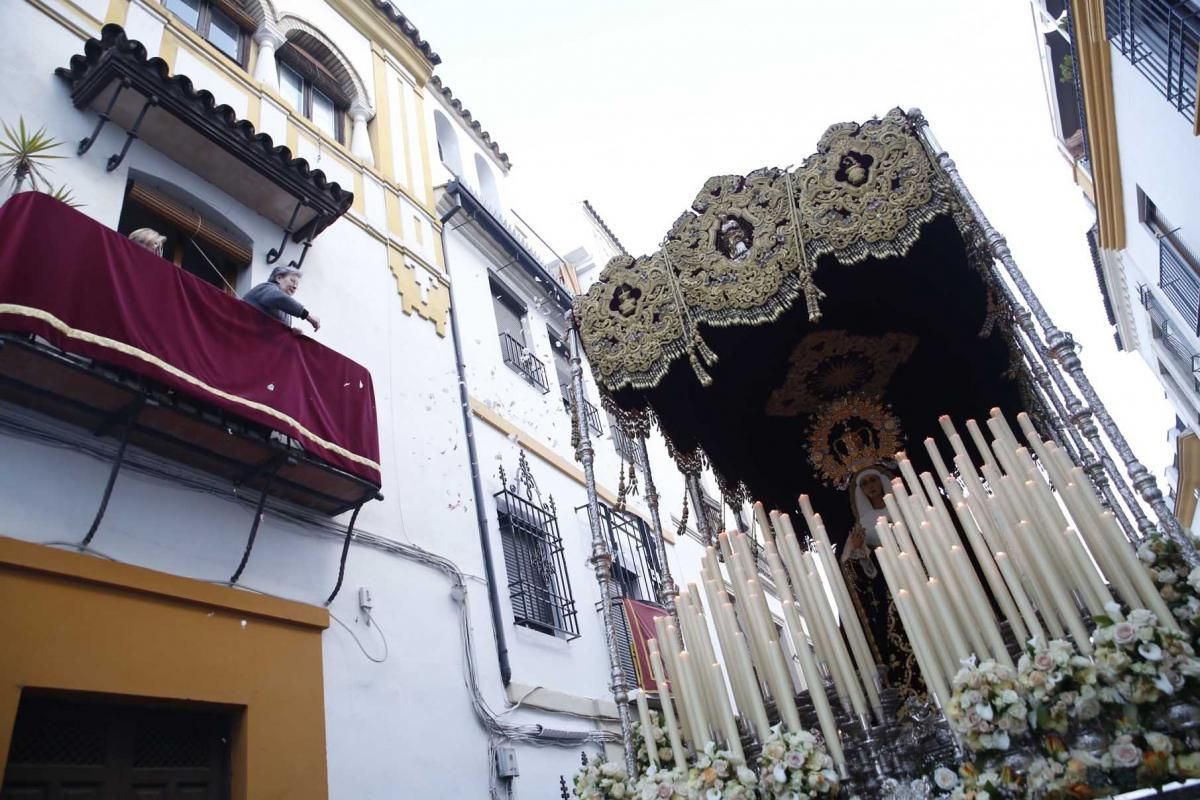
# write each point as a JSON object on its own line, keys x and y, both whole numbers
{"x": 661, "y": 784}
{"x": 600, "y": 779}
{"x": 1142, "y": 660}
{"x": 662, "y": 747}
{"x": 986, "y": 707}
{"x": 970, "y": 783}
{"x": 715, "y": 776}
{"x": 1178, "y": 584}
{"x": 1060, "y": 685}
{"x": 796, "y": 766}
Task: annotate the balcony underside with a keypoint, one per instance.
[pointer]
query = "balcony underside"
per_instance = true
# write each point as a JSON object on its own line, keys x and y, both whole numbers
{"x": 85, "y": 393}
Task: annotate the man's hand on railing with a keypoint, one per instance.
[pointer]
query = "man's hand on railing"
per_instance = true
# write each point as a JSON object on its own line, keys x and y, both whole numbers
{"x": 316, "y": 323}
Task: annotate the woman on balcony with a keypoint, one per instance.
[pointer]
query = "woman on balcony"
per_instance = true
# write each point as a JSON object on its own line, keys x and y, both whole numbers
{"x": 274, "y": 297}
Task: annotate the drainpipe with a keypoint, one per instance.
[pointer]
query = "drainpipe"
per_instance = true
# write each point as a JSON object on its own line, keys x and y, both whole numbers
{"x": 489, "y": 567}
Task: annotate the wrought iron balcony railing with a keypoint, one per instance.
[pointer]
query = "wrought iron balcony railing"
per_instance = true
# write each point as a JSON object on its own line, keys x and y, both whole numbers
{"x": 592, "y": 415}
{"x": 1177, "y": 348}
{"x": 1161, "y": 38}
{"x": 538, "y": 584}
{"x": 1179, "y": 282}
{"x": 524, "y": 362}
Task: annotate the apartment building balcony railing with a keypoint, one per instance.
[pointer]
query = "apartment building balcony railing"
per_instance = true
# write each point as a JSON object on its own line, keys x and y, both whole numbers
{"x": 1162, "y": 39}
{"x": 114, "y": 77}
{"x": 517, "y": 356}
{"x": 104, "y": 334}
{"x": 625, "y": 446}
{"x": 591, "y": 415}
{"x": 1179, "y": 282}
{"x": 1176, "y": 347}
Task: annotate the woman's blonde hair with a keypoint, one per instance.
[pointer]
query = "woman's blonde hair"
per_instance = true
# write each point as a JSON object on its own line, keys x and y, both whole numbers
{"x": 150, "y": 239}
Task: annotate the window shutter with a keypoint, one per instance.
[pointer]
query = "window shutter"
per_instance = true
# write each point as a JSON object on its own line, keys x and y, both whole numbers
{"x": 190, "y": 222}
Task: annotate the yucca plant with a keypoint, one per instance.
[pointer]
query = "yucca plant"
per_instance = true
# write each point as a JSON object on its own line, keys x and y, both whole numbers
{"x": 24, "y": 154}
{"x": 63, "y": 194}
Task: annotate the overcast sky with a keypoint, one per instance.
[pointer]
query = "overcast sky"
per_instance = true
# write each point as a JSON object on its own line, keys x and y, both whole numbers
{"x": 632, "y": 104}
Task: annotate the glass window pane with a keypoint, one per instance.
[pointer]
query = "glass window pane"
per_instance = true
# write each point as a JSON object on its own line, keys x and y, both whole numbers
{"x": 225, "y": 34}
{"x": 291, "y": 87}
{"x": 324, "y": 115}
{"x": 186, "y": 10}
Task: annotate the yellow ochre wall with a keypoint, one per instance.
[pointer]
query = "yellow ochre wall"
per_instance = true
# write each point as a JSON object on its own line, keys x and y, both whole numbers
{"x": 80, "y": 623}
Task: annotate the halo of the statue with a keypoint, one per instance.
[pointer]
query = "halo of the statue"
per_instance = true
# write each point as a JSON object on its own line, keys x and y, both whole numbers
{"x": 708, "y": 336}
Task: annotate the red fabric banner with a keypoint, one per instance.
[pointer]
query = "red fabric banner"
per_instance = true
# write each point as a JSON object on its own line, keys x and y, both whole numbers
{"x": 92, "y": 292}
{"x": 640, "y": 618}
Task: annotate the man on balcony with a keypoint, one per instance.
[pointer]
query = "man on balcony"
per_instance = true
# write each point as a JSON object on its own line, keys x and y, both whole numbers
{"x": 274, "y": 297}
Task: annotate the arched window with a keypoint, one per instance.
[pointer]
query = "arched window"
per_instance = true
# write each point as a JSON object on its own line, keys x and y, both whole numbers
{"x": 315, "y": 82}
{"x": 224, "y": 23}
{"x": 447, "y": 144}
{"x": 487, "y": 183}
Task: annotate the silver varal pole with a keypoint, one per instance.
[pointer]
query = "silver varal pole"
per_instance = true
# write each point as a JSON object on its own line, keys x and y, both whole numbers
{"x": 666, "y": 584}
{"x": 601, "y": 555}
{"x": 1062, "y": 347}
{"x": 692, "y": 481}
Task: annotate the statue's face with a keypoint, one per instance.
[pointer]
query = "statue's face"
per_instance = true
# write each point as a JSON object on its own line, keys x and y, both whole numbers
{"x": 872, "y": 486}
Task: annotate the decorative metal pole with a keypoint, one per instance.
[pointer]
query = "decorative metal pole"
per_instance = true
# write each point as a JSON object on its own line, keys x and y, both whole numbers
{"x": 666, "y": 584}
{"x": 1094, "y": 460}
{"x": 1062, "y": 347}
{"x": 601, "y": 555}
{"x": 692, "y": 481}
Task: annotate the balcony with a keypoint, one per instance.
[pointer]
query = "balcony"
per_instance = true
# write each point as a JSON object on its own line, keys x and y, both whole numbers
{"x": 1161, "y": 38}
{"x": 105, "y": 335}
{"x": 591, "y": 415}
{"x": 1179, "y": 282}
{"x": 114, "y": 77}
{"x": 1181, "y": 354}
{"x": 523, "y": 362}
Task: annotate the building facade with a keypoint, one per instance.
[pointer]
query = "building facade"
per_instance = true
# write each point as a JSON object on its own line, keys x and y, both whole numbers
{"x": 1121, "y": 79}
{"x": 183, "y": 593}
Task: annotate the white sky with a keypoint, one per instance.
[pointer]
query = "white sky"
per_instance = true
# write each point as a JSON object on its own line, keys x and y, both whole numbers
{"x": 632, "y": 104}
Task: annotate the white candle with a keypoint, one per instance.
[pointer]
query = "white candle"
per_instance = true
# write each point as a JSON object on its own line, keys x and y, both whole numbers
{"x": 935, "y": 456}
{"x": 958, "y": 605}
{"x": 780, "y": 680}
{"x": 930, "y": 670}
{"x": 664, "y": 697}
{"x": 930, "y": 617}
{"x": 669, "y": 647}
{"x": 734, "y": 665}
{"x": 980, "y": 607}
{"x": 1022, "y": 599}
{"x": 940, "y": 603}
{"x": 854, "y": 632}
{"x": 729, "y": 728}
{"x": 841, "y": 659}
{"x": 816, "y": 687}
{"x": 647, "y": 728}
{"x": 688, "y": 687}
{"x": 1066, "y": 607}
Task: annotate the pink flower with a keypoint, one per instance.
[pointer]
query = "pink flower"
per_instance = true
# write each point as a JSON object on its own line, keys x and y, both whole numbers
{"x": 1125, "y": 753}
{"x": 1124, "y": 633}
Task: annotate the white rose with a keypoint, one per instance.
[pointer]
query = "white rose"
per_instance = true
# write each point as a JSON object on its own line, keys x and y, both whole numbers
{"x": 1158, "y": 742}
{"x": 747, "y": 776}
{"x": 1124, "y": 632}
{"x": 1140, "y": 617}
{"x": 946, "y": 779}
{"x": 1125, "y": 753}
{"x": 1150, "y": 651}
{"x": 984, "y": 710}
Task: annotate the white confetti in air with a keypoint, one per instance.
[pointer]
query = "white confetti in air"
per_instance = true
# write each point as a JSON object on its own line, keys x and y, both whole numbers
{"x": 243, "y": 623}
{"x": 360, "y": 384}
{"x": 270, "y": 387}
{"x": 512, "y": 437}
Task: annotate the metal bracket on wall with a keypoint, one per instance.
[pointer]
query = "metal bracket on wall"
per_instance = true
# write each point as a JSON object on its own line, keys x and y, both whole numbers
{"x": 86, "y": 142}
{"x": 126, "y": 418}
{"x": 115, "y": 159}
{"x": 337, "y": 587}
{"x": 308, "y": 240}
{"x": 270, "y": 469}
{"x": 275, "y": 253}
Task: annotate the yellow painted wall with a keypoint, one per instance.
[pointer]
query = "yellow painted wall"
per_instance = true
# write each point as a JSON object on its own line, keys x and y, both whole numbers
{"x": 79, "y": 623}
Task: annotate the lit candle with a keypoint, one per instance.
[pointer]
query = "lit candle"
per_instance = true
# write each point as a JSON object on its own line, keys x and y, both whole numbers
{"x": 647, "y": 728}
{"x": 664, "y": 697}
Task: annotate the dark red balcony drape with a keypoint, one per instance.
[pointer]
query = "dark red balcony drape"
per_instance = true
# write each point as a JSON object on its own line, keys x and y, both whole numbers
{"x": 92, "y": 292}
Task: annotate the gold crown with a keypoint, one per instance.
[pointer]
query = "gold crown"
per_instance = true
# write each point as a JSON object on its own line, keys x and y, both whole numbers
{"x": 851, "y": 434}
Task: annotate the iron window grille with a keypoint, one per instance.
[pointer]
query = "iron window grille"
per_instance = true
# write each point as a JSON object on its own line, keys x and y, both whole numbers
{"x": 1179, "y": 282}
{"x": 635, "y": 572}
{"x": 624, "y": 444}
{"x": 591, "y": 415}
{"x": 1161, "y": 38}
{"x": 539, "y": 587}
{"x": 523, "y": 361}
{"x": 1184, "y": 357}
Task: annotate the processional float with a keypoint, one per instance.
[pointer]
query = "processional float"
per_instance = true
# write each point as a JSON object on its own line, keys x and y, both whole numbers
{"x": 838, "y": 337}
